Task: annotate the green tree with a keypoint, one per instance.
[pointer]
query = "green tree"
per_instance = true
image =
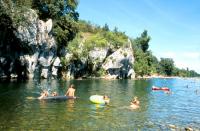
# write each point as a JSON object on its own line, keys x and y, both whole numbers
{"x": 115, "y": 30}
{"x": 152, "y": 63}
{"x": 167, "y": 65}
{"x": 145, "y": 62}
{"x": 141, "y": 63}
{"x": 87, "y": 26}
{"x": 22, "y": 3}
{"x": 56, "y": 8}
{"x": 64, "y": 15}
{"x": 64, "y": 30}
{"x": 143, "y": 41}
{"x": 106, "y": 27}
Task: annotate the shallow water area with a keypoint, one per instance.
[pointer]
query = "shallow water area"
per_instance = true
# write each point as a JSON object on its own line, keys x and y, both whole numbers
{"x": 19, "y": 110}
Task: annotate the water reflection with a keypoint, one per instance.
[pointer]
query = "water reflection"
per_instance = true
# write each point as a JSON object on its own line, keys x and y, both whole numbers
{"x": 43, "y": 104}
{"x": 96, "y": 107}
{"x": 70, "y": 105}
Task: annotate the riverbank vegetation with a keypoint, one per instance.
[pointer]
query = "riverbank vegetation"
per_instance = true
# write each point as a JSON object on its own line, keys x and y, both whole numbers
{"x": 146, "y": 64}
{"x": 80, "y": 37}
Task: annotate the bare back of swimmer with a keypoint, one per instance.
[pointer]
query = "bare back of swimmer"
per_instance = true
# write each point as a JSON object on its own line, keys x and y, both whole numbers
{"x": 70, "y": 92}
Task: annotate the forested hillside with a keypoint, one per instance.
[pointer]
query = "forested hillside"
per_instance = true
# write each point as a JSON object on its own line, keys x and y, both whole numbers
{"x": 146, "y": 64}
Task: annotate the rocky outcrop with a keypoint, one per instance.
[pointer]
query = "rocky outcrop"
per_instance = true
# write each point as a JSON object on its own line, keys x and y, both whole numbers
{"x": 97, "y": 57}
{"x": 41, "y": 59}
{"x": 37, "y": 34}
{"x": 27, "y": 29}
{"x": 120, "y": 63}
{"x": 56, "y": 66}
{"x": 75, "y": 67}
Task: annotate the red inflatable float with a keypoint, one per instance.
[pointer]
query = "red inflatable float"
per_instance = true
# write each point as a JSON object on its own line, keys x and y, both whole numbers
{"x": 160, "y": 88}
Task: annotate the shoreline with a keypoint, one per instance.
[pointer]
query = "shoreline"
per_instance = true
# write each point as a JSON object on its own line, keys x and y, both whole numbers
{"x": 110, "y": 78}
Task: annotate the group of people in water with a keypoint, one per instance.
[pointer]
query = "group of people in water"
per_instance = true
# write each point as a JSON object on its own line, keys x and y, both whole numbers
{"x": 71, "y": 91}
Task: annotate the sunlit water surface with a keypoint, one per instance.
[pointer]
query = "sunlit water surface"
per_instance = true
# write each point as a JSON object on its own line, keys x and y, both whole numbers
{"x": 158, "y": 110}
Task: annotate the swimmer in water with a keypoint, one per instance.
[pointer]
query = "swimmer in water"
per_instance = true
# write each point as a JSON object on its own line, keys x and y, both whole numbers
{"x": 43, "y": 95}
{"x": 54, "y": 94}
{"x": 135, "y": 103}
{"x": 70, "y": 92}
{"x": 106, "y": 99}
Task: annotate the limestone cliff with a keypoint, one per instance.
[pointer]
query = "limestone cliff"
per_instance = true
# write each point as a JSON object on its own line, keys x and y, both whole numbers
{"x": 120, "y": 63}
{"x": 41, "y": 60}
{"x": 35, "y": 35}
{"x": 106, "y": 62}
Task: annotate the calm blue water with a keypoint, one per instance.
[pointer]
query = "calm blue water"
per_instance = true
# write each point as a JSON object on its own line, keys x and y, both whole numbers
{"x": 20, "y": 111}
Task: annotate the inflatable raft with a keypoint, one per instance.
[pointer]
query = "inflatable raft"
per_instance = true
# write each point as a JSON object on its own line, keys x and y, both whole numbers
{"x": 58, "y": 98}
{"x": 97, "y": 99}
{"x": 162, "y": 88}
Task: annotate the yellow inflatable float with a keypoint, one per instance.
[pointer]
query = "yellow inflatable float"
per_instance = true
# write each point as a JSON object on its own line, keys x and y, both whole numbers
{"x": 97, "y": 99}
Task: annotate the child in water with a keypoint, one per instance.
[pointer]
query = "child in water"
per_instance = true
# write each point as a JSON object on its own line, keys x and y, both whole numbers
{"x": 54, "y": 94}
{"x": 106, "y": 99}
{"x": 135, "y": 103}
{"x": 43, "y": 94}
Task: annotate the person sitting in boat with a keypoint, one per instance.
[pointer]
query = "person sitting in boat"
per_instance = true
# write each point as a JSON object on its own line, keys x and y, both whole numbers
{"x": 106, "y": 99}
{"x": 54, "y": 93}
{"x": 135, "y": 103}
{"x": 43, "y": 94}
{"x": 70, "y": 92}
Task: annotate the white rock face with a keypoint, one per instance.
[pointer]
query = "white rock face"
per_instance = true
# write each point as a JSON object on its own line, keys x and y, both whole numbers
{"x": 57, "y": 62}
{"x": 120, "y": 63}
{"x": 32, "y": 60}
{"x": 98, "y": 54}
{"x": 131, "y": 74}
{"x": 54, "y": 71}
{"x": 44, "y": 73}
{"x": 49, "y": 25}
{"x": 41, "y": 26}
{"x": 28, "y": 33}
{"x": 35, "y": 33}
{"x": 56, "y": 65}
{"x": 97, "y": 57}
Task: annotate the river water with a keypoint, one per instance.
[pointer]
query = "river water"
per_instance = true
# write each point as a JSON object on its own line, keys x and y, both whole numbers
{"x": 19, "y": 110}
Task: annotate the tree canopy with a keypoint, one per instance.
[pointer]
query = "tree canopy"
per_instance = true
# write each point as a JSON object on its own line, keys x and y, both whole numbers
{"x": 147, "y": 64}
{"x": 64, "y": 15}
{"x": 167, "y": 65}
{"x": 142, "y": 42}
{"x": 56, "y": 8}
